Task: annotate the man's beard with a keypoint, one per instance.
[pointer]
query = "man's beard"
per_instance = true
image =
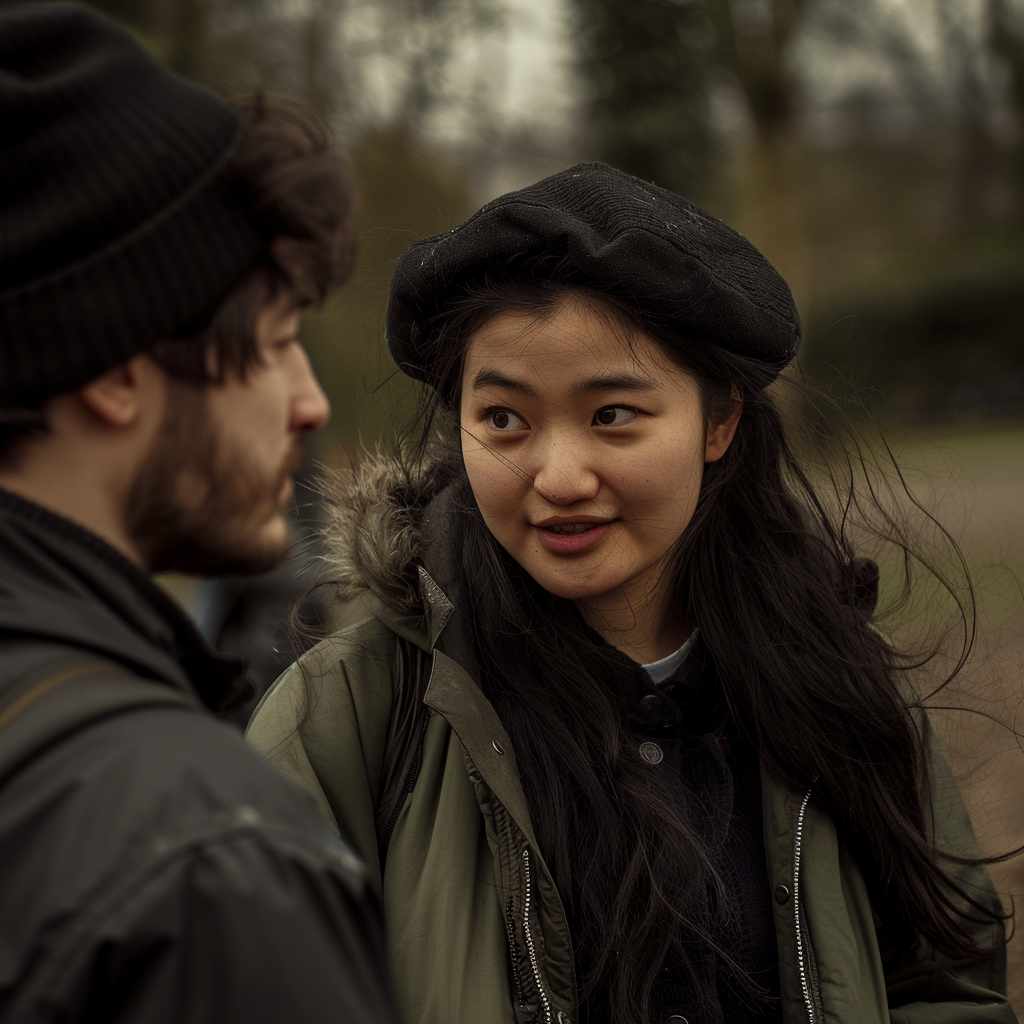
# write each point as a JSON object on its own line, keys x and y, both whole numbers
{"x": 196, "y": 507}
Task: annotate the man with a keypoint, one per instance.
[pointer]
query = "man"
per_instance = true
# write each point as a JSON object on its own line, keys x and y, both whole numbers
{"x": 156, "y": 248}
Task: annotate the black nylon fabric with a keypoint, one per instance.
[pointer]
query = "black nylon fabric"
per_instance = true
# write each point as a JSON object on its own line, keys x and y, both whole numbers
{"x": 623, "y": 235}
{"x": 153, "y": 868}
{"x": 61, "y": 584}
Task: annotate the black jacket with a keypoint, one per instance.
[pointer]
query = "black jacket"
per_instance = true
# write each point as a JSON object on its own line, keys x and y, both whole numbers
{"x": 152, "y": 867}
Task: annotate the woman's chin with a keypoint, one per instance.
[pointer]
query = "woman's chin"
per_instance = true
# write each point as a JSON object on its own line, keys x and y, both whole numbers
{"x": 572, "y": 589}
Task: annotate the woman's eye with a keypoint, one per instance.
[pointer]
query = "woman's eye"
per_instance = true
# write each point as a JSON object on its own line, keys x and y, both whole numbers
{"x": 502, "y": 419}
{"x": 615, "y": 415}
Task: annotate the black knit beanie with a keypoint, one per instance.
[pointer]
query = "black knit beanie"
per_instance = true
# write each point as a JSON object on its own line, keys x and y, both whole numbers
{"x": 118, "y": 227}
{"x": 616, "y": 233}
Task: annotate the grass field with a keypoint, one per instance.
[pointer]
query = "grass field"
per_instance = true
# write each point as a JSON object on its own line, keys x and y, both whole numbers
{"x": 975, "y": 481}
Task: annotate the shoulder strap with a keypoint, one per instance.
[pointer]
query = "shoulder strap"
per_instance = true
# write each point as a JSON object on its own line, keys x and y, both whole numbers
{"x": 46, "y": 708}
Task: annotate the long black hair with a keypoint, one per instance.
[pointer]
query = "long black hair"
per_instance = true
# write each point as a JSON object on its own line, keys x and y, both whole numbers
{"x": 768, "y": 569}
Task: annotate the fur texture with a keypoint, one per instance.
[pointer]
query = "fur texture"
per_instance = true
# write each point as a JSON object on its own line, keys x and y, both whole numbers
{"x": 373, "y": 531}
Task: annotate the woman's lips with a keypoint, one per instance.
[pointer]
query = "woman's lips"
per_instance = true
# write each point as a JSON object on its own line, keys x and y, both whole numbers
{"x": 571, "y": 538}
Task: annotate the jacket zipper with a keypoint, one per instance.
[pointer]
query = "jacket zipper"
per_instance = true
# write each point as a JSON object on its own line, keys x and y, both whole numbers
{"x": 545, "y": 1001}
{"x": 802, "y": 954}
{"x": 510, "y": 928}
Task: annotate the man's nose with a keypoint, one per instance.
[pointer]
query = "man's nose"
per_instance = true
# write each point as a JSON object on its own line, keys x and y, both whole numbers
{"x": 563, "y": 475}
{"x": 311, "y": 408}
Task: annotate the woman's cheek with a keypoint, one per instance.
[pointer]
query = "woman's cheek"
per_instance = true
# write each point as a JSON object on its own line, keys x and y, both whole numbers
{"x": 492, "y": 481}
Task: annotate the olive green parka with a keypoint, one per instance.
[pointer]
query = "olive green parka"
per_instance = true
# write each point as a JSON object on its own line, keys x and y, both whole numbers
{"x": 476, "y": 931}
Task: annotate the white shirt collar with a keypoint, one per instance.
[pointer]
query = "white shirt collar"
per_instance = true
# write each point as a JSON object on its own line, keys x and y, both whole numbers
{"x": 660, "y": 670}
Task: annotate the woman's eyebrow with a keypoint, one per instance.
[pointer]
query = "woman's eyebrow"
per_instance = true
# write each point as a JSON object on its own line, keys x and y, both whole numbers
{"x": 605, "y": 382}
{"x": 497, "y": 379}
{"x": 616, "y": 382}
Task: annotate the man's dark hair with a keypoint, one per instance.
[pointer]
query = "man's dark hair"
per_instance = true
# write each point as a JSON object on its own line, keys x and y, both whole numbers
{"x": 299, "y": 191}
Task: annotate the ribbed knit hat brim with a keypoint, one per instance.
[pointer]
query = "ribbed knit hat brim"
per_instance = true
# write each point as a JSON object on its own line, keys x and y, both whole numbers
{"x": 118, "y": 226}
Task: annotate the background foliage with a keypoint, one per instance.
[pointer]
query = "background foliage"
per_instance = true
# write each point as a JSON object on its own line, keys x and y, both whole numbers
{"x": 874, "y": 151}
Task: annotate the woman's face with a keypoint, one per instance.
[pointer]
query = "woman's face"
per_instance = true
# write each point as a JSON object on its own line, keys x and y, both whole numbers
{"x": 585, "y": 454}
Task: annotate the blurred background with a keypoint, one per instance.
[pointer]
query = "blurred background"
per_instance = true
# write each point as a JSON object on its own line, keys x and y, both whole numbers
{"x": 874, "y": 151}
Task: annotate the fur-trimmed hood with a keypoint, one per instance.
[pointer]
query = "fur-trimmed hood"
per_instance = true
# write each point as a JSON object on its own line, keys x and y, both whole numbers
{"x": 376, "y": 532}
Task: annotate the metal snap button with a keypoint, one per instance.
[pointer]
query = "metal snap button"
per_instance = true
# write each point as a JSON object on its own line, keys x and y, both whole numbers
{"x": 676, "y": 1019}
{"x": 563, "y": 1017}
{"x": 781, "y": 894}
{"x": 651, "y": 752}
{"x": 497, "y": 746}
{"x": 650, "y": 702}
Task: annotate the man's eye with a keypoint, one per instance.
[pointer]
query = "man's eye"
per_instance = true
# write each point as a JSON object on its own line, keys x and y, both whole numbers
{"x": 615, "y": 415}
{"x": 502, "y": 419}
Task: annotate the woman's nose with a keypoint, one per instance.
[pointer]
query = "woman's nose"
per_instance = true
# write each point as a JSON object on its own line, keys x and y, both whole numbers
{"x": 563, "y": 476}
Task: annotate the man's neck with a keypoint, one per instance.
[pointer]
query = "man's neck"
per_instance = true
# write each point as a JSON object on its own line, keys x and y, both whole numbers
{"x": 88, "y": 507}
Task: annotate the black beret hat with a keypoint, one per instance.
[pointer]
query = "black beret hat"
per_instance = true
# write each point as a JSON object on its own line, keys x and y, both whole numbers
{"x": 618, "y": 234}
{"x": 118, "y": 225}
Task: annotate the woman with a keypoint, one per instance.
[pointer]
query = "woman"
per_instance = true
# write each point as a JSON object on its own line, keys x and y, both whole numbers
{"x": 615, "y": 734}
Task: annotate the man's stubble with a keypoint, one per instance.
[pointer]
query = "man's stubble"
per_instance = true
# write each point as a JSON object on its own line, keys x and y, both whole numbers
{"x": 202, "y": 507}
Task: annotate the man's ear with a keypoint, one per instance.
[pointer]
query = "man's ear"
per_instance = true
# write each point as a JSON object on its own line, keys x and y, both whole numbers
{"x": 117, "y": 396}
{"x": 721, "y": 434}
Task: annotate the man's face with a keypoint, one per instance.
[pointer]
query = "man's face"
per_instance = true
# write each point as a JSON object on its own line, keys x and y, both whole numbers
{"x": 211, "y": 497}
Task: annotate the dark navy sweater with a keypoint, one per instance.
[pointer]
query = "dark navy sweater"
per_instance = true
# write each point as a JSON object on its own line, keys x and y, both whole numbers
{"x": 685, "y": 717}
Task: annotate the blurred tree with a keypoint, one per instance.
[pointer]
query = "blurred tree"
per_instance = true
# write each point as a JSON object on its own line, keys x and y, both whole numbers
{"x": 753, "y": 38}
{"x": 972, "y": 101}
{"x": 406, "y": 193}
{"x": 946, "y": 59}
{"x": 644, "y": 66}
{"x": 388, "y": 69}
{"x": 928, "y": 314}
{"x": 1007, "y": 42}
{"x": 369, "y": 63}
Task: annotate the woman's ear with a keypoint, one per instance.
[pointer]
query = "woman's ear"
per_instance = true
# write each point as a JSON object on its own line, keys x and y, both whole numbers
{"x": 720, "y": 435}
{"x": 117, "y": 397}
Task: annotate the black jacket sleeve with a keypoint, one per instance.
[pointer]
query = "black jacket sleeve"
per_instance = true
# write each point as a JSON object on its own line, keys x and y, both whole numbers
{"x": 157, "y": 871}
{"x": 246, "y": 927}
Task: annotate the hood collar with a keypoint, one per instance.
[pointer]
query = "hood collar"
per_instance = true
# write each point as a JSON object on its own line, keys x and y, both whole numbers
{"x": 63, "y": 584}
{"x": 436, "y": 606}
